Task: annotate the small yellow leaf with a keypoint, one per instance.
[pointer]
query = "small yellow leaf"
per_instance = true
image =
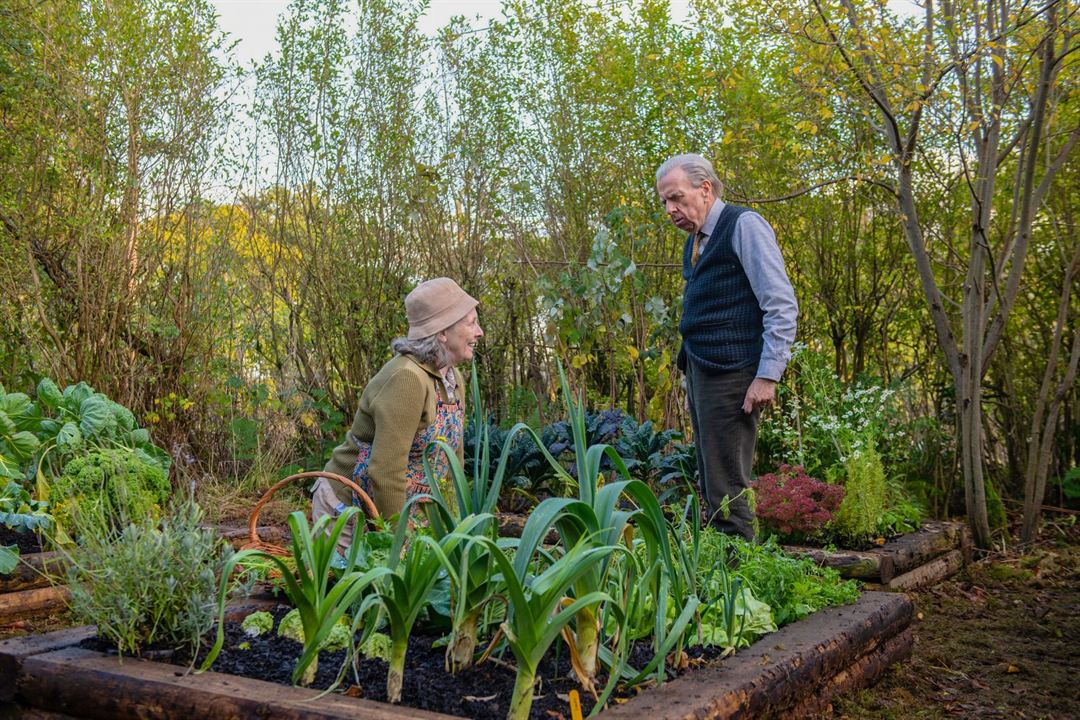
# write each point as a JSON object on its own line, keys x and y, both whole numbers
{"x": 632, "y": 352}
{"x": 1013, "y": 669}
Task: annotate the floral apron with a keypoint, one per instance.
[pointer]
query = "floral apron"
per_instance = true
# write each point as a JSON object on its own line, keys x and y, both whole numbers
{"x": 448, "y": 425}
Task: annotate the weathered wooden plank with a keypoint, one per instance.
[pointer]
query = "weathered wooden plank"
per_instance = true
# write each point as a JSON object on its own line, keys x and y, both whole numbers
{"x": 776, "y": 673}
{"x": 864, "y": 672}
{"x": 896, "y": 557}
{"x": 13, "y": 711}
{"x": 33, "y": 571}
{"x": 92, "y": 685}
{"x": 13, "y": 650}
{"x": 934, "y": 539}
{"x": 27, "y": 603}
{"x": 930, "y": 573}
{"x": 866, "y": 565}
{"x": 237, "y": 610}
{"x": 830, "y": 651}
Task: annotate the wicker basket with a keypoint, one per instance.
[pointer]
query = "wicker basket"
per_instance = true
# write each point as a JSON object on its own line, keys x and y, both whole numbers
{"x": 253, "y": 520}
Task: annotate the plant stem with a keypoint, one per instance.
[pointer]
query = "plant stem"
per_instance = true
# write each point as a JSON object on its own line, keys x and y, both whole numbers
{"x": 462, "y": 647}
{"x": 309, "y": 674}
{"x": 587, "y": 641}
{"x": 522, "y": 697}
{"x": 396, "y": 672}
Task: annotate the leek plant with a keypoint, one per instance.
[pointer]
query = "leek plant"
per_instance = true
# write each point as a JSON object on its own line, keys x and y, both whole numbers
{"x": 474, "y": 579}
{"x": 597, "y": 516}
{"x": 413, "y": 569}
{"x": 320, "y": 608}
{"x": 537, "y": 607}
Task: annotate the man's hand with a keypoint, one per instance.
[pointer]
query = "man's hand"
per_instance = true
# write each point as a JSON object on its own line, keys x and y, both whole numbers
{"x": 760, "y": 394}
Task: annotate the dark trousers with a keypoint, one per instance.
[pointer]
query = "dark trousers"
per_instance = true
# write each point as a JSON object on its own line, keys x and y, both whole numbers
{"x": 724, "y": 437}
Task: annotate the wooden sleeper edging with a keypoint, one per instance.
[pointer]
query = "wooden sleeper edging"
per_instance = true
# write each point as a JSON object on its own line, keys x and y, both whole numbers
{"x": 789, "y": 673}
{"x": 900, "y": 556}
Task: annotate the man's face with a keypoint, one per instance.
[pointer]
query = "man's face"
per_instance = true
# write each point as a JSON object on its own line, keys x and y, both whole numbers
{"x": 685, "y": 204}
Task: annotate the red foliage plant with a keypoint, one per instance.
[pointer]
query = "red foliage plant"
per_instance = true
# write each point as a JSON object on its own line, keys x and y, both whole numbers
{"x": 790, "y": 502}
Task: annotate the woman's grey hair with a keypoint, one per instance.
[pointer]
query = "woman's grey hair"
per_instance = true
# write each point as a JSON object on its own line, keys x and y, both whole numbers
{"x": 429, "y": 350}
{"x": 697, "y": 168}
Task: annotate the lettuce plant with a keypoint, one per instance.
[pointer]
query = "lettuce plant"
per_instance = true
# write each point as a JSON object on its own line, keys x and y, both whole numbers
{"x": 793, "y": 504}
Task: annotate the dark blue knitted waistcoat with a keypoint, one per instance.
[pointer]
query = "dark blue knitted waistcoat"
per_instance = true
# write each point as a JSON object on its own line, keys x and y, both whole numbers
{"x": 721, "y": 324}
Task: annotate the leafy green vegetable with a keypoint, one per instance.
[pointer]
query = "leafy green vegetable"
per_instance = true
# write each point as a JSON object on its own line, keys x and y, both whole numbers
{"x": 258, "y": 623}
{"x": 123, "y": 484}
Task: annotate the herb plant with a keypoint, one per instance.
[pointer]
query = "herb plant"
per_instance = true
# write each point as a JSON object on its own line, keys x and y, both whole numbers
{"x": 147, "y": 584}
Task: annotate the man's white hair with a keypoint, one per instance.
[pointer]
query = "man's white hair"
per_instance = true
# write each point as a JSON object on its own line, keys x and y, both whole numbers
{"x": 697, "y": 168}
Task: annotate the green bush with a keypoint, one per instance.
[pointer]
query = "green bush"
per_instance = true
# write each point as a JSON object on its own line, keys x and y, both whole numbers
{"x": 147, "y": 585}
{"x": 857, "y": 520}
{"x": 115, "y": 484}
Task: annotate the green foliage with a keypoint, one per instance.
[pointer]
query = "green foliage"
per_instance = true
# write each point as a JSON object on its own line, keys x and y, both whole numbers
{"x": 18, "y": 442}
{"x": 995, "y": 509}
{"x": 118, "y": 484}
{"x": 257, "y": 623}
{"x": 1070, "y": 484}
{"x": 146, "y": 585}
{"x": 792, "y": 587}
{"x": 81, "y": 420}
{"x": 307, "y": 585}
{"x": 859, "y": 517}
{"x": 20, "y": 512}
{"x": 292, "y": 627}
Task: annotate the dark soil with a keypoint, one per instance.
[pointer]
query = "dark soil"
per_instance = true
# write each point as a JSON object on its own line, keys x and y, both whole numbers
{"x": 999, "y": 640}
{"x": 480, "y": 692}
{"x": 28, "y": 542}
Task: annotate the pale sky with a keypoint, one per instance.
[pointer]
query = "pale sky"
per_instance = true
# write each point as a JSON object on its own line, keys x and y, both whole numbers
{"x": 253, "y": 22}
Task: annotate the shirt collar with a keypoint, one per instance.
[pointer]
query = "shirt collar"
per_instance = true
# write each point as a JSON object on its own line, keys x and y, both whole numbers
{"x": 710, "y": 219}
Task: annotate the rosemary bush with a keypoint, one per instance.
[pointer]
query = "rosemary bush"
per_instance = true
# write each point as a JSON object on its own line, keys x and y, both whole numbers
{"x": 144, "y": 585}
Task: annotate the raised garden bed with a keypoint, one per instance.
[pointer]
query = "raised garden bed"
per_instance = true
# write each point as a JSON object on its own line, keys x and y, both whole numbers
{"x": 27, "y": 592}
{"x": 924, "y": 557}
{"x": 793, "y": 672}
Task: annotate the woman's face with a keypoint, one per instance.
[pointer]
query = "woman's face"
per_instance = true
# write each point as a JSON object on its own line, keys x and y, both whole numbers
{"x": 460, "y": 338}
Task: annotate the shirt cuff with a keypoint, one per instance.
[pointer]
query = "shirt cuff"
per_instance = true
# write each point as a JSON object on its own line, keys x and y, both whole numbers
{"x": 771, "y": 369}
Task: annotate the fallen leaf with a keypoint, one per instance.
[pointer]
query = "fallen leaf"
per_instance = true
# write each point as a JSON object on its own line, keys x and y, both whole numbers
{"x": 486, "y": 698}
{"x": 355, "y": 691}
{"x": 1012, "y": 669}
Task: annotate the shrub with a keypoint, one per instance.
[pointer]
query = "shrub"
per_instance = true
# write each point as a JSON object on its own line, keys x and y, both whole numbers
{"x": 148, "y": 585}
{"x": 791, "y": 503}
{"x": 860, "y": 514}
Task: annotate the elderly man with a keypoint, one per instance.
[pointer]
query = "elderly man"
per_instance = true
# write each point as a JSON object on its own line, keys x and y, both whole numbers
{"x": 737, "y": 327}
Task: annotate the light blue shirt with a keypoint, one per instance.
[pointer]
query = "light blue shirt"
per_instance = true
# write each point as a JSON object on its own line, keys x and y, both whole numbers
{"x": 754, "y": 243}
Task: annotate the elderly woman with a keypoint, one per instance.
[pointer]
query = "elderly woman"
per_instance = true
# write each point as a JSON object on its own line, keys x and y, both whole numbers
{"x": 414, "y": 399}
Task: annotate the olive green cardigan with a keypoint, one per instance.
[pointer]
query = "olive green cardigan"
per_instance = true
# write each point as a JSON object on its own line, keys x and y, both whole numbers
{"x": 397, "y": 404}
